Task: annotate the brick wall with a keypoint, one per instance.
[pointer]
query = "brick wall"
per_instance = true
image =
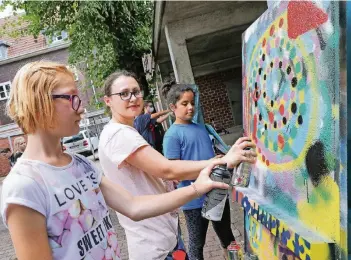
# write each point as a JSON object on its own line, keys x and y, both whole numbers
{"x": 9, "y": 70}
{"x": 25, "y": 45}
{"x": 4, "y": 166}
{"x": 4, "y": 143}
{"x": 4, "y": 162}
{"x": 214, "y": 97}
{"x": 20, "y": 45}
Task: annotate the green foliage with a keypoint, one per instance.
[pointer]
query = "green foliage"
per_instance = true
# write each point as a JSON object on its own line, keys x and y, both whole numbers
{"x": 152, "y": 87}
{"x": 104, "y": 35}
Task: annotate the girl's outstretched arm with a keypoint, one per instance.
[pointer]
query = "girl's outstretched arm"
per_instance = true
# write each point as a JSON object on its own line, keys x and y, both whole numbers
{"x": 142, "y": 207}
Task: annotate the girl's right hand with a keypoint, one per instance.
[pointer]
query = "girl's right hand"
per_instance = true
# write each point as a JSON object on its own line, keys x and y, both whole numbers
{"x": 238, "y": 153}
{"x": 204, "y": 184}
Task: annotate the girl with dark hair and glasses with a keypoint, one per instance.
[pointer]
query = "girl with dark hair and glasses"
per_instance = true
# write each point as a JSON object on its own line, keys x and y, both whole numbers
{"x": 55, "y": 203}
{"x": 128, "y": 160}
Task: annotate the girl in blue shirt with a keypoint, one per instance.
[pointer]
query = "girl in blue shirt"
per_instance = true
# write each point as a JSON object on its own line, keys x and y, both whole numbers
{"x": 186, "y": 140}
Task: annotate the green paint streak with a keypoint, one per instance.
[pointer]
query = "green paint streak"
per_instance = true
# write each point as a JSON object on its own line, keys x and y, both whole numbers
{"x": 301, "y": 84}
{"x": 292, "y": 53}
{"x": 327, "y": 132}
{"x": 288, "y": 46}
{"x": 297, "y": 67}
{"x": 303, "y": 109}
{"x": 300, "y": 178}
{"x": 321, "y": 192}
{"x": 293, "y": 132}
{"x": 275, "y": 146}
{"x": 304, "y": 173}
{"x": 286, "y": 148}
{"x": 275, "y": 246}
{"x": 313, "y": 198}
{"x": 284, "y": 201}
{"x": 259, "y": 134}
{"x": 282, "y": 42}
{"x": 266, "y": 142}
{"x": 330, "y": 158}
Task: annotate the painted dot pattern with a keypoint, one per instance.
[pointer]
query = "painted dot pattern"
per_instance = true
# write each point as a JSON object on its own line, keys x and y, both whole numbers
{"x": 277, "y": 99}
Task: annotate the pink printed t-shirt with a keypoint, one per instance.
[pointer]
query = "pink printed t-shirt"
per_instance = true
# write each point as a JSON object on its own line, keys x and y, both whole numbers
{"x": 77, "y": 218}
{"x": 151, "y": 238}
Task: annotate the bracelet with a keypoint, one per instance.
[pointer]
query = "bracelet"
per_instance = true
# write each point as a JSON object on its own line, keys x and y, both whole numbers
{"x": 195, "y": 189}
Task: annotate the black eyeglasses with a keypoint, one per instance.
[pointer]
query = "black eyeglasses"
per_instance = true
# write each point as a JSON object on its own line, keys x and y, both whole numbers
{"x": 126, "y": 95}
{"x": 75, "y": 100}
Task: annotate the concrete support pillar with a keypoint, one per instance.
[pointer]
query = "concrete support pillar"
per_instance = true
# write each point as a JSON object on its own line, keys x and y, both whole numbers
{"x": 179, "y": 56}
{"x": 10, "y": 143}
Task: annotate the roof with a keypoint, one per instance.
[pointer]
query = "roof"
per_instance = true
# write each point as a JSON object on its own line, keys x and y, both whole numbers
{"x": 4, "y": 43}
{"x": 24, "y": 44}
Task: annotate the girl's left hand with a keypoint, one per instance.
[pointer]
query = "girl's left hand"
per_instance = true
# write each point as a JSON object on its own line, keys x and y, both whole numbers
{"x": 204, "y": 184}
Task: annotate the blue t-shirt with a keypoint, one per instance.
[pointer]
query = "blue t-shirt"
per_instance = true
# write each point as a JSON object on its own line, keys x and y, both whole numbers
{"x": 188, "y": 142}
{"x": 146, "y": 128}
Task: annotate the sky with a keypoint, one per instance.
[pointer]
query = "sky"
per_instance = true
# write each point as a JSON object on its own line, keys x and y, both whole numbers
{"x": 6, "y": 12}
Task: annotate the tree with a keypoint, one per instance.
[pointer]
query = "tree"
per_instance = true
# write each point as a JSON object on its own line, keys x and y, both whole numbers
{"x": 104, "y": 36}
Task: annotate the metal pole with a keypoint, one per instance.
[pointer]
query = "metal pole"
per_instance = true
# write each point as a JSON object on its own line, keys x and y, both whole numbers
{"x": 11, "y": 147}
{"x": 87, "y": 129}
{"x": 94, "y": 92}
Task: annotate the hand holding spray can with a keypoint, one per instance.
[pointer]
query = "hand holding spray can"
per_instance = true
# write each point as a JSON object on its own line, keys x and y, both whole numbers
{"x": 215, "y": 199}
{"x": 242, "y": 173}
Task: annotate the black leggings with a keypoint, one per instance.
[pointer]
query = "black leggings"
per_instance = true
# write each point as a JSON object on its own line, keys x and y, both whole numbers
{"x": 197, "y": 229}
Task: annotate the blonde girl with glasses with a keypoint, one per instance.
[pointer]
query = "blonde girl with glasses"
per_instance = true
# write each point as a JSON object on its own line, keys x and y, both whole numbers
{"x": 20, "y": 145}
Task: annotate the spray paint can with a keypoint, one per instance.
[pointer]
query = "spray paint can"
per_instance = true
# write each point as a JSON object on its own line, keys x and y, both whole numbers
{"x": 215, "y": 199}
{"x": 234, "y": 251}
{"x": 242, "y": 173}
{"x": 249, "y": 256}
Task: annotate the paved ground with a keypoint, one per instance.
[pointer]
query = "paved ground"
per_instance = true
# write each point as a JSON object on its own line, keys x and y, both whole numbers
{"x": 212, "y": 249}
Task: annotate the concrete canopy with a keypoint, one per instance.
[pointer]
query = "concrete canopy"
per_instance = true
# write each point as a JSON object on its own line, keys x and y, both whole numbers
{"x": 210, "y": 31}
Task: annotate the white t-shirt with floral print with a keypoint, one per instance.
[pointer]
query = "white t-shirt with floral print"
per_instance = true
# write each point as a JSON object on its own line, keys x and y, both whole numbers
{"x": 78, "y": 221}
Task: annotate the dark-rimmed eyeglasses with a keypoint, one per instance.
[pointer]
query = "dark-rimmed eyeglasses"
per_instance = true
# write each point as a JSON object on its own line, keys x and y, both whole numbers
{"x": 75, "y": 100}
{"x": 126, "y": 95}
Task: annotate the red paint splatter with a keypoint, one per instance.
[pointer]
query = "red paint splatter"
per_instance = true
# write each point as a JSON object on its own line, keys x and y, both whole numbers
{"x": 281, "y": 109}
{"x": 281, "y": 141}
{"x": 263, "y": 158}
{"x": 271, "y": 117}
{"x": 281, "y": 22}
{"x": 272, "y": 30}
{"x": 264, "y": 42}
{"x": 259, "y": 150}
{"x": 304, "y": 16}
{"x": 254, "y": 137}
{"x": 267, "y": 162}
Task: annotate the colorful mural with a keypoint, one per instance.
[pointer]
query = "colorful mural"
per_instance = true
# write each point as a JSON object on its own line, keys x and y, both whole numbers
{"x": 293, "y": 110}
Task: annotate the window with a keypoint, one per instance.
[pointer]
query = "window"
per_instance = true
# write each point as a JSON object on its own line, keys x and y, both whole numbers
{"x": 3, "y": 52}
{"x": 59, "y": 37}
{"x": 75, "y": 138}
{"x": 5, "y": 90}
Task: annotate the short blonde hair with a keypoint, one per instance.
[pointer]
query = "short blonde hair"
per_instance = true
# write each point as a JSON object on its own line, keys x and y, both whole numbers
{"x": 30, "y": 104}
{"x": 17, "y": 142}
